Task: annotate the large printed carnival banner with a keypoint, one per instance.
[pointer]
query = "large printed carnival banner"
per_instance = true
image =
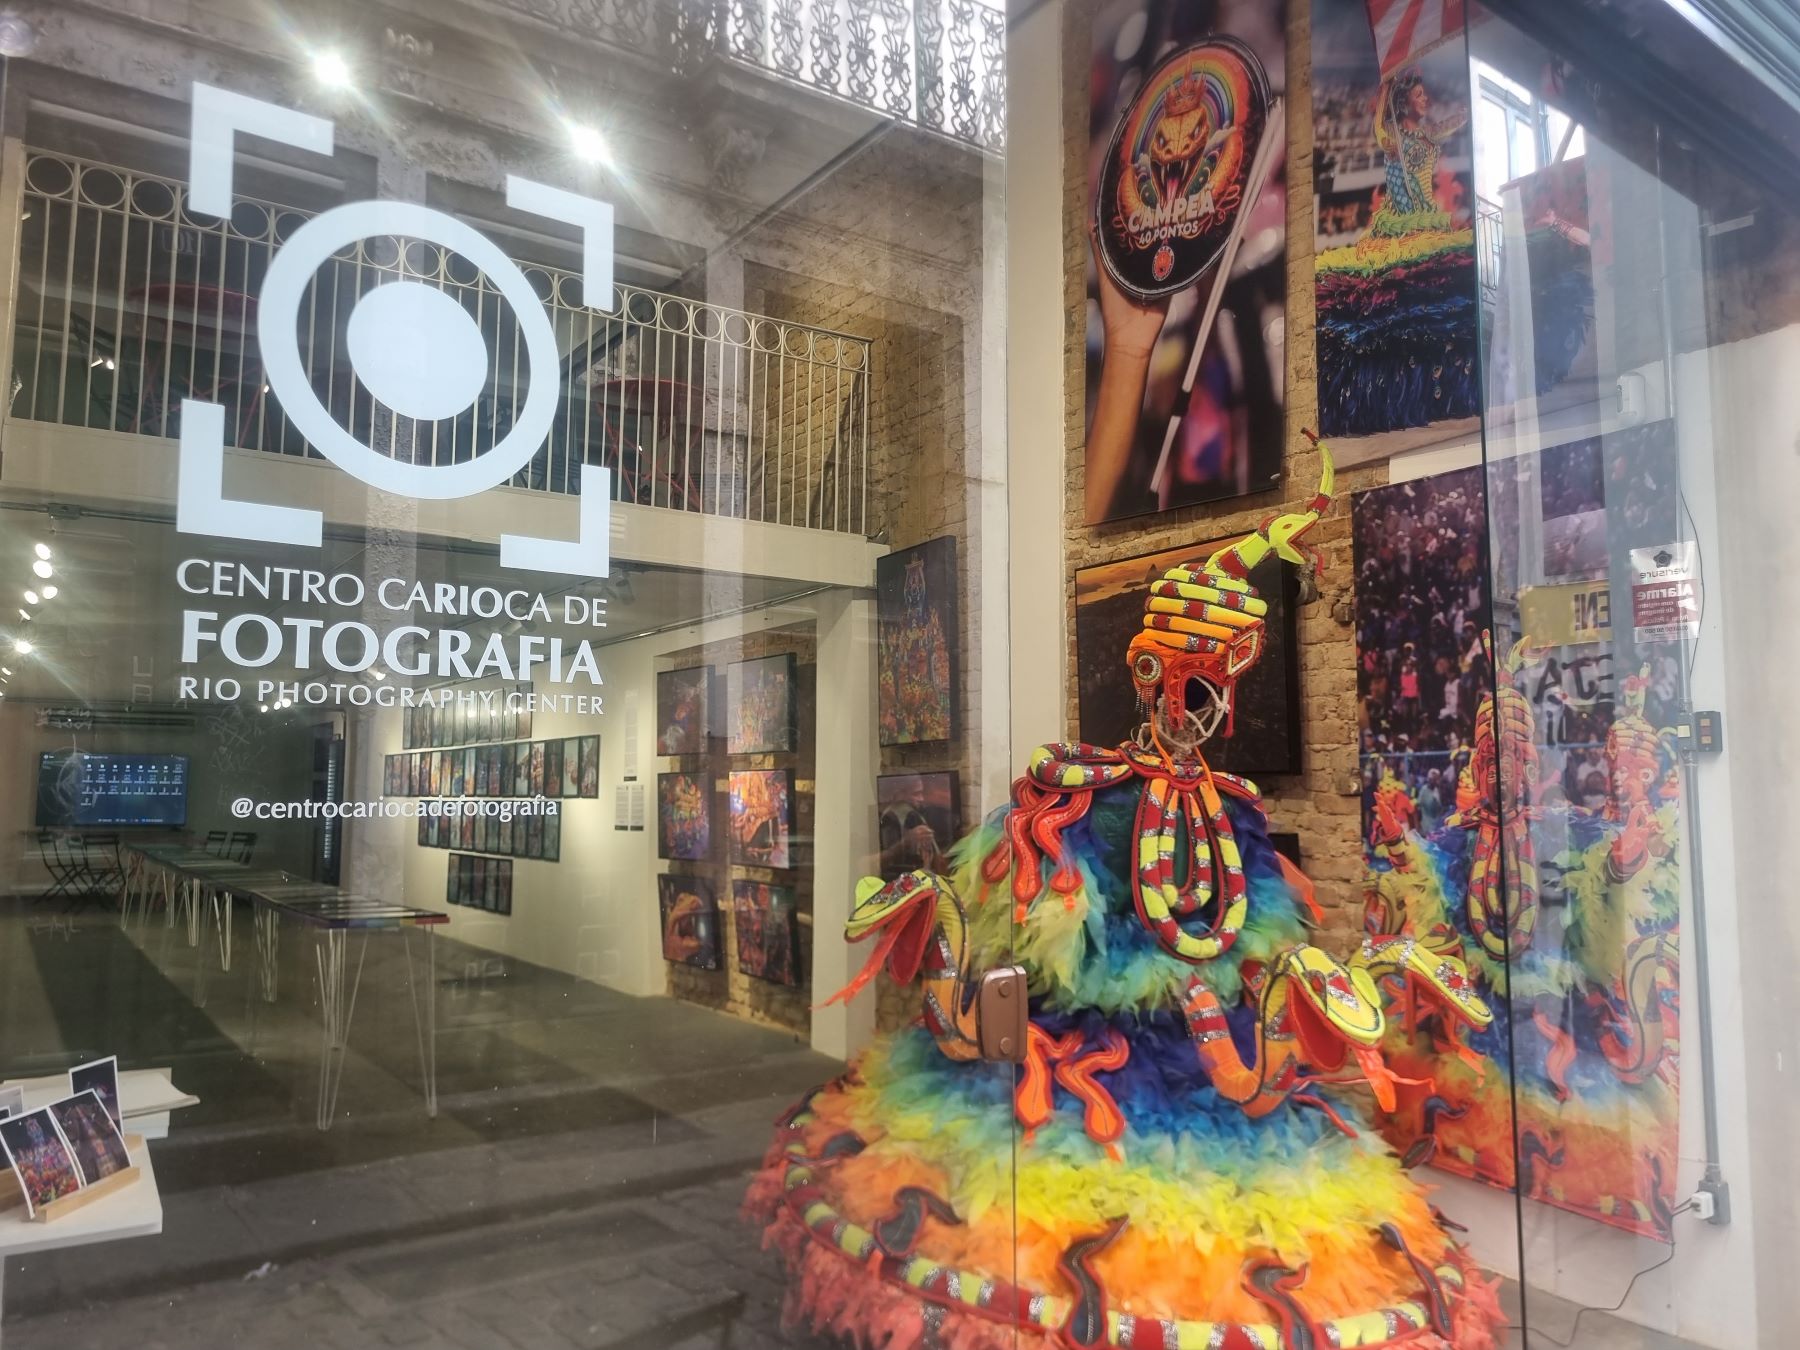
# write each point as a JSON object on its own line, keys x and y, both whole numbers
{"x": 1534, "y": 835}
{"x": 1394, "y": 225}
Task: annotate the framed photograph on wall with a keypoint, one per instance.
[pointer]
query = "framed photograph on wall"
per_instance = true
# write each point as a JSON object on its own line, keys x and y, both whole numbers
{"x": 553, "y": 838}
{"x": 763, "y": 918}
{"x": 537, "y": 768}
{"x": 590, "y": 766}
{"x": 683, "y": 710}
{"x": 571, "y": 760}
{"x": 690, "y": 921}
{"x": 503, "y": 895}
{"x": 534, "y": 837}
{"x": 1109, "y": 610}
{"x": 683, "y": 816}
{"x": 521, "y": 777}
{"x": 762, "y": 817}
{"x": 553, "y": 768}
{"x": 915, "y": 607}
{"x": 760, "y": 712}
{"x": 919, "y": 818}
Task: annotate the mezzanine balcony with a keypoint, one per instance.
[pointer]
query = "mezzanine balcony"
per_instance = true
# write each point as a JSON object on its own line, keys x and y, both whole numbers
{"x": 127, "y": 303}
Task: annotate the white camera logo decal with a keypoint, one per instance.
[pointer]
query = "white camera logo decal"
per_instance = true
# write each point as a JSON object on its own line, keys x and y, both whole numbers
{"x": 412, "y": 346}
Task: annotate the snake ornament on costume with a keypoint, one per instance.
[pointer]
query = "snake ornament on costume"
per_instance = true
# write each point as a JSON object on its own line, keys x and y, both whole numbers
{"x": 1177, "y": 795}
{"x": 1086, "y": 1320}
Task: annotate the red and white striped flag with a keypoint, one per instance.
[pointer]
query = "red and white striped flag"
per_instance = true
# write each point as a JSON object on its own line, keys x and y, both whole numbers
{"x": 1406, "y": 29}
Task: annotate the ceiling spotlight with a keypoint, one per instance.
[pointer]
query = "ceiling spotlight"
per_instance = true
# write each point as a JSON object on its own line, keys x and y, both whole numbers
{"x": 42, "y": 568}
{"x": 5, "y": 670}
{"x": 31, "y": 597}
{"x": 331, "y": 69}
{"x": 43, "y": 551}
{"x": 25, "y": 614}
{"x": 22, "y": 647}
{"x": 263, "y": 707}
{"x": 379, "y": 674}
{"x": 589, "y": 144}
{"x": 49, "y": 592}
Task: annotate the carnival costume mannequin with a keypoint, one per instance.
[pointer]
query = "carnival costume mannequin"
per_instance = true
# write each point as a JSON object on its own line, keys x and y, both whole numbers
{"x": 1187, "y": 1172}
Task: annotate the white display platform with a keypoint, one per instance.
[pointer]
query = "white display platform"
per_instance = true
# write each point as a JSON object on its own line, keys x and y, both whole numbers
{"x": 135, "y": 1211}
{"x": 146, "y": 1097}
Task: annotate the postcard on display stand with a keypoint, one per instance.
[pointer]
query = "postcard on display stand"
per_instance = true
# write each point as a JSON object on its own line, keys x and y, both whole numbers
{"x": 92, "y": 1136}
{"x": 102, "y": 1075}
{"x": 40, "y": 1157}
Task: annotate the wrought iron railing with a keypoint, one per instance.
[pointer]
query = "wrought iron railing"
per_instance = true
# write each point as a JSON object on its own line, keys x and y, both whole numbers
{"x": 1490, "y": 246}
{"x": 940, "y": 64}
{"x": 128, "y": 303}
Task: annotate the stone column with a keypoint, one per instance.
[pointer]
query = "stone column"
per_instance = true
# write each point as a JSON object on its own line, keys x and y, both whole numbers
{"x": 844, "y": 816}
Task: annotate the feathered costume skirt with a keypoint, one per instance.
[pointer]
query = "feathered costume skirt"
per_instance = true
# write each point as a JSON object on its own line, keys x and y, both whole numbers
{"x": 911, "y": 1211}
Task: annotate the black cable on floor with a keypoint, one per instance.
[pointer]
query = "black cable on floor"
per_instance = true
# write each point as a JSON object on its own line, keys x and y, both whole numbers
{"x": 1575, "y": 1326}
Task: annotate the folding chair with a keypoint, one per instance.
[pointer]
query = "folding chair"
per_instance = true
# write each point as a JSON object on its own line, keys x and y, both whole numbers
{"x": 104, "y": 872}
{"x": 241, "y": 846}
{"x": 215, "y": 843}
{"x": 65, "y": 871}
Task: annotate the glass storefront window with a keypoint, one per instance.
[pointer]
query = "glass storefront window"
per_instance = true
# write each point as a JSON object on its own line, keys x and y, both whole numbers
{"x": 765, "y": 675}
{"x": 497, "y": 514}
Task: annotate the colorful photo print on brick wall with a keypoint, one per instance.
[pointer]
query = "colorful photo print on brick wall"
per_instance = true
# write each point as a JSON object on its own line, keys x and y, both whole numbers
{"x": 1265, "y": 715}
{"x": 683, "y": 816}
{"x": 919, "y": 818}
{"x": 916, "y": 611}
{"x": 765, "y": 927}
{"x": 690, "y": 921}
{"x": 683, "y": 710}
{"x": 760, "y": 698}
{"x": 1394, "y": 233}
{"x": 39, "y": 1157}
{"x": 1187, "y": 274}
{"x": 762, "y": 817}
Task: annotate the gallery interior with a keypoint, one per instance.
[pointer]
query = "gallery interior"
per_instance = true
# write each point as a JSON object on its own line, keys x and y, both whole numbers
{"x": 935, "y": 676}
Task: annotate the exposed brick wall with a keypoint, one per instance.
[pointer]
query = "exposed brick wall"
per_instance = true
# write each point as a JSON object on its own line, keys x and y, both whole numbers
{"x": 1321, "y": 801}
{"x": 917, "y": 470}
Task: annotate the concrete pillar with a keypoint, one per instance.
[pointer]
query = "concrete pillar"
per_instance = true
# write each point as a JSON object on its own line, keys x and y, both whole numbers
{"x": 1034, "y": 365}
{"x": 844, "y": 816}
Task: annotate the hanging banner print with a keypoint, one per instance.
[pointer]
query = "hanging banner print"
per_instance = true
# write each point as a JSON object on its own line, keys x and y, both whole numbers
{"x": 1187, "y": 268}
{"x": 1394, "y": 225}
{"x": 1531, "y": 832}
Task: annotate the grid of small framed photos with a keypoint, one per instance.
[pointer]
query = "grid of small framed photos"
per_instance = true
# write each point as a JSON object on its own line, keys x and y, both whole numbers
{"x": 568, "y": 767}
{"x": 537, "y": 838}
{"x": 480, "y": 883}
{"x": 464, "y": 723}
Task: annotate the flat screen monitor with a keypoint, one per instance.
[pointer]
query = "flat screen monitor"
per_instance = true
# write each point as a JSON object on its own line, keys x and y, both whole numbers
{"x": 76, "y": 788}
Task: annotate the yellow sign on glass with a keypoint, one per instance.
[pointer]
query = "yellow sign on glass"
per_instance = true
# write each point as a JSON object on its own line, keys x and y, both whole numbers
{"x": 1566, "y": 615}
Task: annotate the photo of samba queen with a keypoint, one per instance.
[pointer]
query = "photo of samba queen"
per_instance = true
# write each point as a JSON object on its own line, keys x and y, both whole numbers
{"x": 93, "y": 1139}
{"x": 39, "y": 1156}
